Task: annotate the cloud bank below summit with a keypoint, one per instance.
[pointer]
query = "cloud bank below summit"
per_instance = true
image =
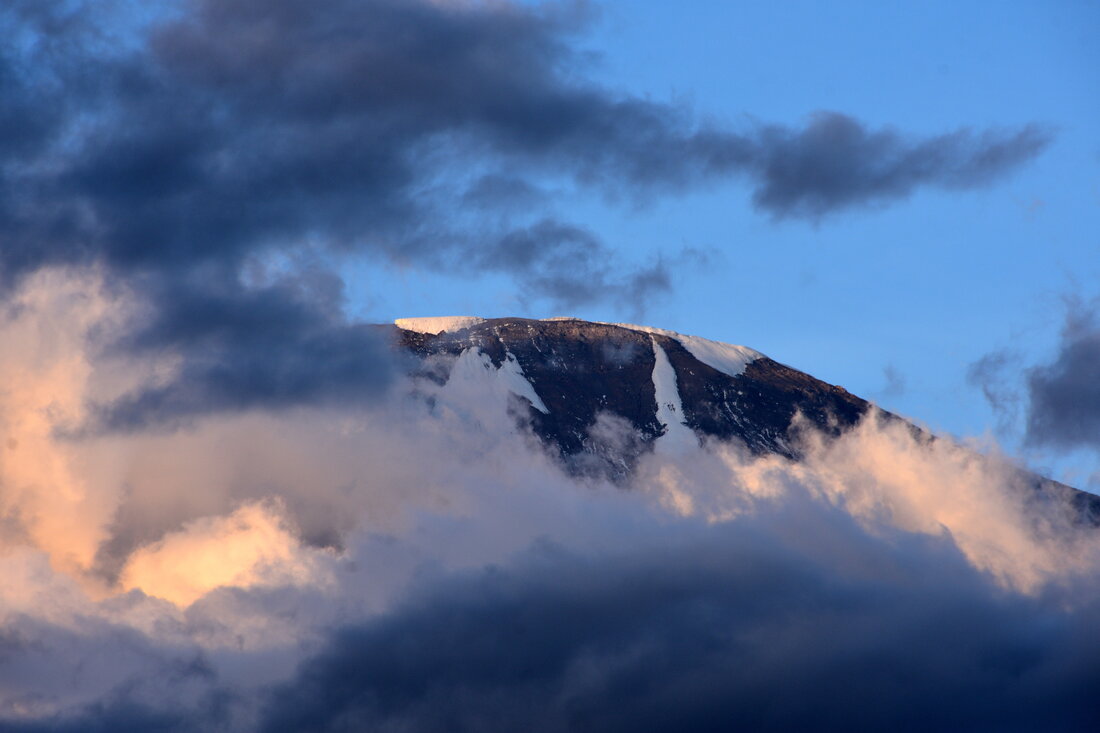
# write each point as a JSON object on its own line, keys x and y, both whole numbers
{"x": 359, "y": 584}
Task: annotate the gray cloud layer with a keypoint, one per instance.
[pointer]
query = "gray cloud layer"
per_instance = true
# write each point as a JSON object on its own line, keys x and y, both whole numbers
{"x": 835, "y": 162}
{"x": 686, "y": 640}
{"x": 179, "y": 150}
{"x": 732, "y": 626}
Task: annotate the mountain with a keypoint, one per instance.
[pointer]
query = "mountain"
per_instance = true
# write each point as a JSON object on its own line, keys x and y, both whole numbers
{"x": 603, "y": 394}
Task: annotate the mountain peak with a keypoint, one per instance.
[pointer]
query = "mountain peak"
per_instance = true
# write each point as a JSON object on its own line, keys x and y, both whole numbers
{"x": 574, "y": 377}
{"x": 730, "y": 359}
{"x": 601, "y": 395}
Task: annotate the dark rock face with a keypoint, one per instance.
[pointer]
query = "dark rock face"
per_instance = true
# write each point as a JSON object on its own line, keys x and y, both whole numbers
{"x": 592, "y": 376}
{"x": 758, "y": 406}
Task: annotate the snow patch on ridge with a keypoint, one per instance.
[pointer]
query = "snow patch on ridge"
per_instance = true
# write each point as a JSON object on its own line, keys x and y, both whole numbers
{"x": 437, "y": 324}
{"x": 670, "y": 411}
{"x": 474, "y": 369}
{"x": 727, "y": 358}
{"x": 517, "y": 383}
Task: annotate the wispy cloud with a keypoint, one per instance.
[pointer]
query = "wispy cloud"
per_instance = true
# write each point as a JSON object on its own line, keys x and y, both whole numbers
{"x": 837, "y": 163}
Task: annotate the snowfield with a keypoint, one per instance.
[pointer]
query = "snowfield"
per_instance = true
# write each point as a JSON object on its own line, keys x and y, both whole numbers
{"x": 437, "y": 324}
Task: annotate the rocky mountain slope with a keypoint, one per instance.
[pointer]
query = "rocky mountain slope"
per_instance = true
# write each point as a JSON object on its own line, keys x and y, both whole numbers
{"x": 602, "y": 394}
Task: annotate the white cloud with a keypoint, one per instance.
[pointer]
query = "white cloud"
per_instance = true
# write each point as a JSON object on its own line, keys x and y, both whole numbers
{"x": 250, "y": 547}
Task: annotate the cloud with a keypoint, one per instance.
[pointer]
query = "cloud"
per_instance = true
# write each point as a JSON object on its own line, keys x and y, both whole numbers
{"x": 241, "y": 127}
{"x": 238, "y": 127}
{"x": 883, "y": 474}
{"x": 419, "y": 563}
{"x": 1064, "y": 394}
{"x": 735, "y": 627}
{"x": 569, "y": 264}
{"x": 49, "y": 370}
{"x": 993, "y": 374}
{"x": 278, "y": 343}
{"x": 836, "y": 162}
{"x": 895, "y": 382}
{"x": 252, "y": 546}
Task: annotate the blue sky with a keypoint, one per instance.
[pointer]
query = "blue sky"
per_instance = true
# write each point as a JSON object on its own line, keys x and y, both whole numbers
{"x": 923, "y": 286}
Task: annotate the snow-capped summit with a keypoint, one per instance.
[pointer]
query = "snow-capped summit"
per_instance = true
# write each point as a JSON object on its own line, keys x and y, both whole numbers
{"x": 437, "y": 324}
{"x": 727, "y": 358}
{"x": 572, "y": 377}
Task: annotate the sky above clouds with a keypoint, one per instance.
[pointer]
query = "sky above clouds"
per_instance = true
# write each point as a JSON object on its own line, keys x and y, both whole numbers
{"x": 215, "y": 508}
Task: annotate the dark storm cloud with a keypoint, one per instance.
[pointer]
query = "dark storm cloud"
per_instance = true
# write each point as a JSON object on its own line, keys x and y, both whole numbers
{"x": 836, "y": 162}
{"x": 1064, "y": 395}
{"x": 245, "y": 124}
{"x": 277, "y": 345}
{"x": 735, "y": 631}
{"x": 230, "y": 131}
{"x": 797, "y": 619}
